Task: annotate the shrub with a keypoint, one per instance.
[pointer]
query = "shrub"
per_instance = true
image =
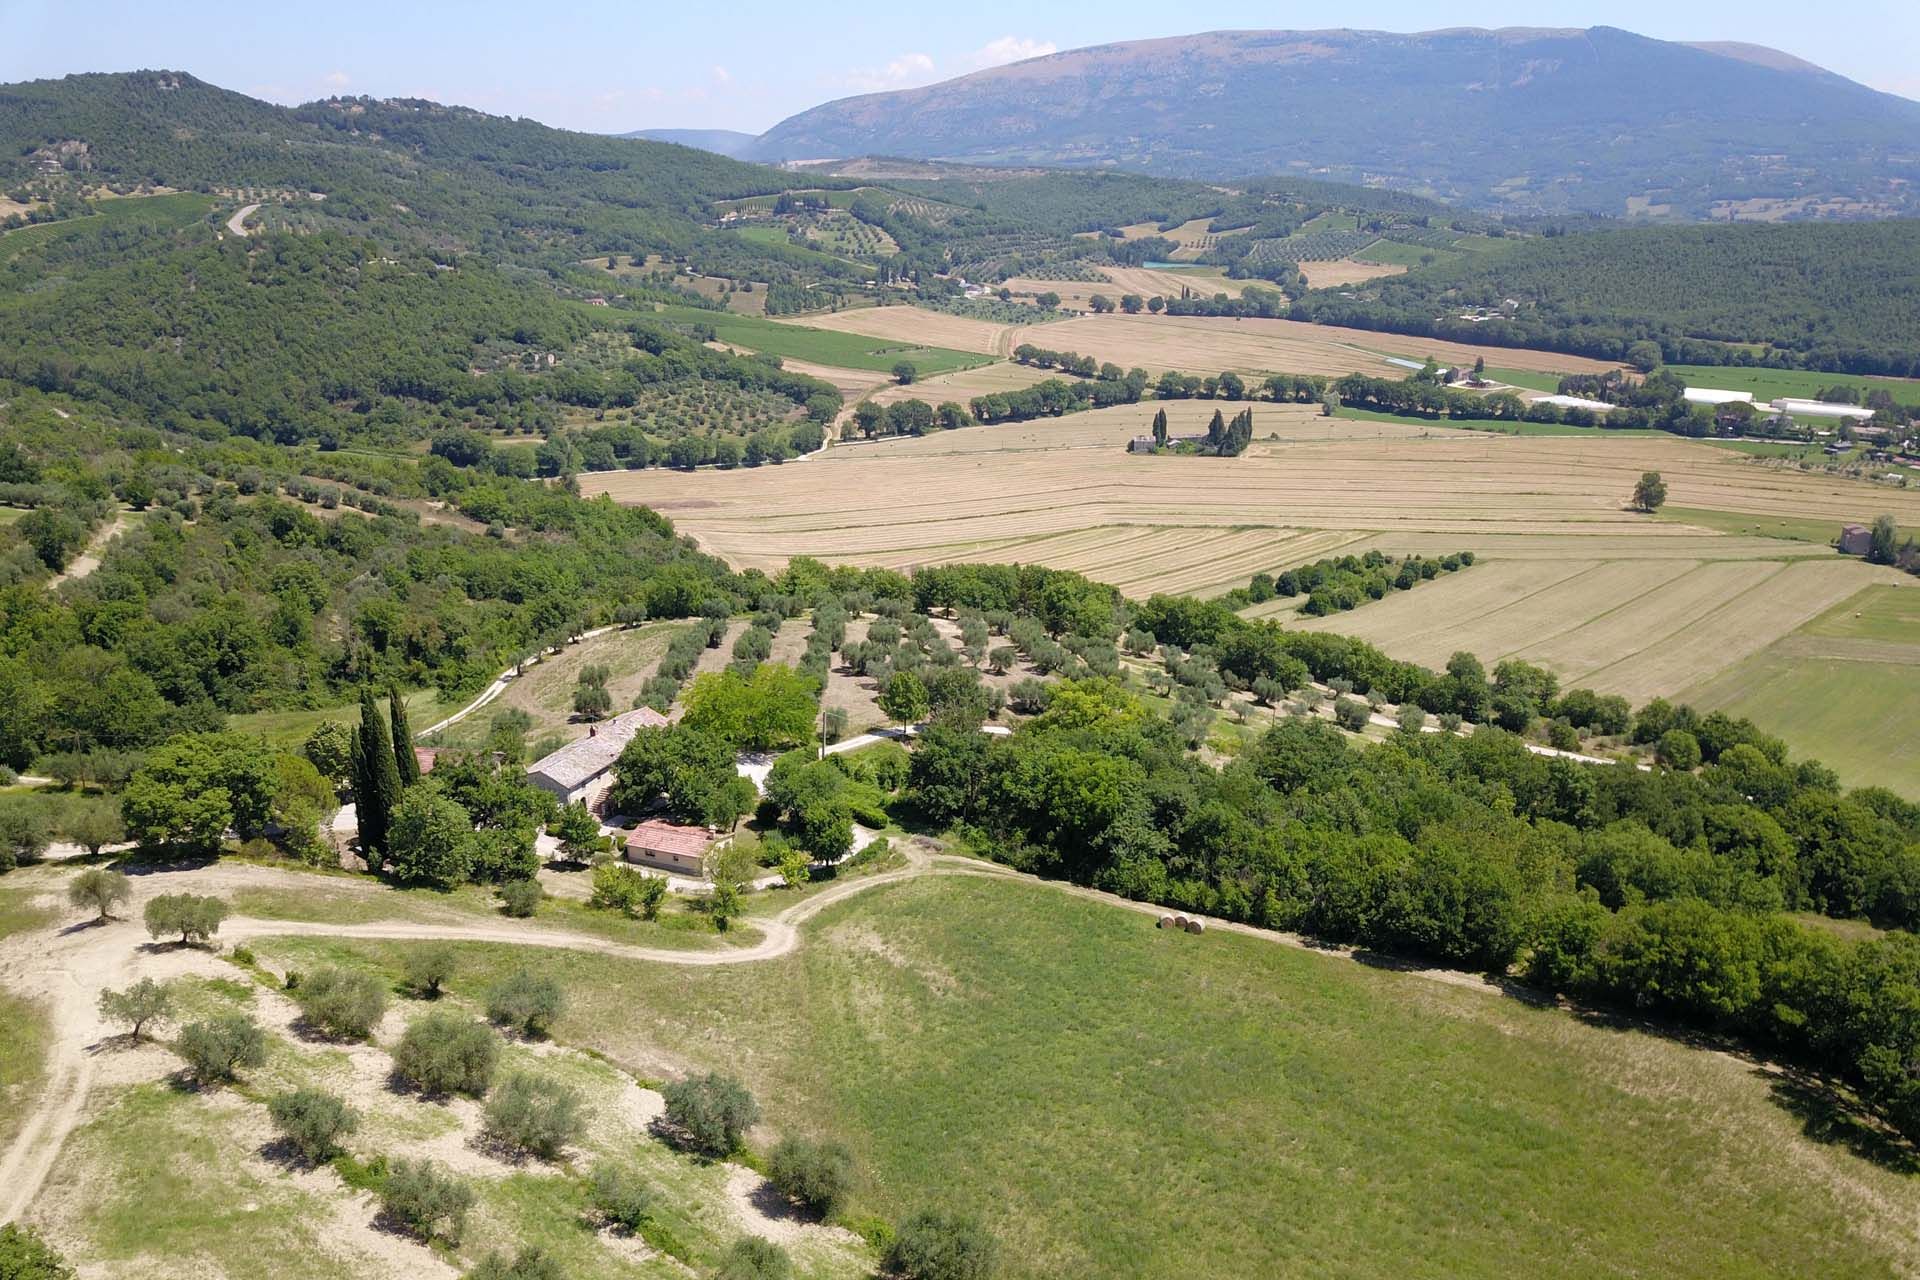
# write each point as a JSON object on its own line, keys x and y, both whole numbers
{"x": 428, "y": 968}
{"x": 534, "y": 1114}
{"x": 620, "y": 1194}
{"x": 341, "y": 1003}
{"x": 427, "y": 1200}
{"x": 25, "y": 1256}
{"x": 531, "y": 1263}
{"x": 712, "y": 1111}
{"x": 526, "y": 1002}
{"x": 752, "y": 1258}
{"x": 937, "y": 1246}
{"x": 313, "y": 1121}
{"x": 194, "y": 917}
{"x": 816, "y": 1174}
{"x": 447, "y": 1052}
{"x": 618, "y": 888}
{"x": 1350, "y": 715}
{"x": 521, "y": 898}
{"x": 1678, "y": 749}
{"x": 1562, "y": 736}
{"x": 100, "y": 891}
{"x": 1411, "y": 718}
{"x": 216, "y": 1048}
{"x": 144, "y": 1002}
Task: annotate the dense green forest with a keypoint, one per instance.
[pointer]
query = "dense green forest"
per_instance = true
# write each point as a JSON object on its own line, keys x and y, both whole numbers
{"x": 1841, "y": 297}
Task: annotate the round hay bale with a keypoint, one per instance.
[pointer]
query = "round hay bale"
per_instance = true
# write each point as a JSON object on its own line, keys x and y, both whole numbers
{"x": 1196, "y": 926}
{"x": 1179, "y": 922}
{"x": 1163, "y": 922}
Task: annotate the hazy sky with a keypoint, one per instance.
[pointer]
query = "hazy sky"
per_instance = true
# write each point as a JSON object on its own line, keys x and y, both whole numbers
{"x": 745, "y": 64}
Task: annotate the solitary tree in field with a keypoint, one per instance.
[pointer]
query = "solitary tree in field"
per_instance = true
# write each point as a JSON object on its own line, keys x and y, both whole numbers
{"x": 1650, "y": 493}
{"x": 904, "y": 373}
{"x": 144, "y": 1002}
{"x": 101, "y": 890}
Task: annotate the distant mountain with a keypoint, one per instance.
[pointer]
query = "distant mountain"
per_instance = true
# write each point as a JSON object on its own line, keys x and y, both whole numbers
{"x": 725, "y": 142}
{"x": 1522, "y": 119}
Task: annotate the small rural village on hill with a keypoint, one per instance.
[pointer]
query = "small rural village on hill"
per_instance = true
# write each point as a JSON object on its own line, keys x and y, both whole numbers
{"x": 1115, "y": 652}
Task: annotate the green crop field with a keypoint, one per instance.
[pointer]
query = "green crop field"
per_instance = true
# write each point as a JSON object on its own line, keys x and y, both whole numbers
{"x": 173, "y": 210}
{"x": 1844, "y": 689}
{"x": 1115, "y": 1100}
{"x": 290, "y": 728}
{"x": 1794, "y": 528}
{"x": 1770, "y": 384}
{"x": 1394, "y": 254}
{"x": 9, "y": 514}
{"x": 822, "y": 346}
{"x": 1879, "y": 613}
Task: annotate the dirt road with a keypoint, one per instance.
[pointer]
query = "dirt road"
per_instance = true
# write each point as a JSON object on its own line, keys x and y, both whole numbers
{"x": 238, "y": 222}
{"x": 89, "y": 559}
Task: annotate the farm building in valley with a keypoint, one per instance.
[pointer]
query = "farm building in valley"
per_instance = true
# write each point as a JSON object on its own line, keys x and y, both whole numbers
{"x": 1855, "y": 539}
{"x": 578, "y": 768}
{"x": 670, "y": 846}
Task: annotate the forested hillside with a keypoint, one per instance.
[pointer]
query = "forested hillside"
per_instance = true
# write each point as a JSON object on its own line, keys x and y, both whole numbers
{"x": 1837, "y": 297}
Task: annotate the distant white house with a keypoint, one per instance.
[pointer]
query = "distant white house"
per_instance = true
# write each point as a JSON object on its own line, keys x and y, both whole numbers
{"x": 1713, "y": 395}
{"x": 577, "y": 769}
{"x": 1575, "y": 402}
{"x": 1819, "y": 409}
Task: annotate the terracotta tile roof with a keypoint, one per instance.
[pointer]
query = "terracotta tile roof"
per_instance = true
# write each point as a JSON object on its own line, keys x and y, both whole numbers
{"x": 656, "y": 836}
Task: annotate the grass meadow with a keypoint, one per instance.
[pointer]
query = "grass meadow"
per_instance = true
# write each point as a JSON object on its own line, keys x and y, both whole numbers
{"x": 1116, "y": 1100}
{"x": 1770, "y": 384}
{"x": 1844, "y": 688}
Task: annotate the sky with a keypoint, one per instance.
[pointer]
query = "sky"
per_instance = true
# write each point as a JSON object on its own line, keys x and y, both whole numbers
{"x": 610, "y": 67}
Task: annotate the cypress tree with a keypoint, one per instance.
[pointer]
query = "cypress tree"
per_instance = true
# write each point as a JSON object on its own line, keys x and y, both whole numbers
{"x": 375, "y": 804}
{"x": 403, "y": 757}
{"x": 1160, "y": 428}
{"x": 1216, "y": 430}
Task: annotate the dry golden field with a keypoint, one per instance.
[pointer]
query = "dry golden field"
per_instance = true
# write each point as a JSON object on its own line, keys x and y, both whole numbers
{"x": 964, "y": 384}
{"x": 1568, "y": 577}
{"x": 918, "y": 325}
{"x": 1321, "y": 275}
{"x": 1209, "y": 344}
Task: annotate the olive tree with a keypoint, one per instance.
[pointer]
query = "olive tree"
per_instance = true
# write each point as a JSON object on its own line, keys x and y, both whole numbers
{"x": 712, "y": 1112}
{"x": 425, "y": 1199}
{"x": 526, "y": 1002}
{"x": 312, "y": 1121}
{"x": 341, "y": 1003}
{"x": 144, "y": 1002}
{"x": 217, "y": 1047}
{"x": 447, "y": 1052}
{"x": 534, "y": 1114}
{"x": 100, "y": 891}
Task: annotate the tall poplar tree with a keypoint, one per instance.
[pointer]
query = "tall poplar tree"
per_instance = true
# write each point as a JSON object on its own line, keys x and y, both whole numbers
{"x": 403, "y": 757}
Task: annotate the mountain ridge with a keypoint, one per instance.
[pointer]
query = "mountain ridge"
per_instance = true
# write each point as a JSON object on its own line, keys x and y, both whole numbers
{"x": 1521, "y": 119}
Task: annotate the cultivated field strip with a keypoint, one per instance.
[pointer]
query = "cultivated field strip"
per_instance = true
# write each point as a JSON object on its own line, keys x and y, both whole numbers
{"x": 1209, "y": 344}
{"x": 1675, "y": 607}
{"x": 1743, "y": 626}
{"x": 921, "y": 327}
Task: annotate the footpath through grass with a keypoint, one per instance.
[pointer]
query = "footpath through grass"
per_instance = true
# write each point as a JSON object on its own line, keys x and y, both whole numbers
{"x": 825, "y": 346}
{"x": 1115, "y": 1100}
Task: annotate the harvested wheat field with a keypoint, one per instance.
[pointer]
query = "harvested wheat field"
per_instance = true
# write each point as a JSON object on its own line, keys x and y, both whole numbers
{"x": 1209, "y": 344}
{"x": 1568, "y": 577}
{"x": 962, "y": 385}
{"x": 1323, "y": 275}
{"x": 919, "y": 326}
